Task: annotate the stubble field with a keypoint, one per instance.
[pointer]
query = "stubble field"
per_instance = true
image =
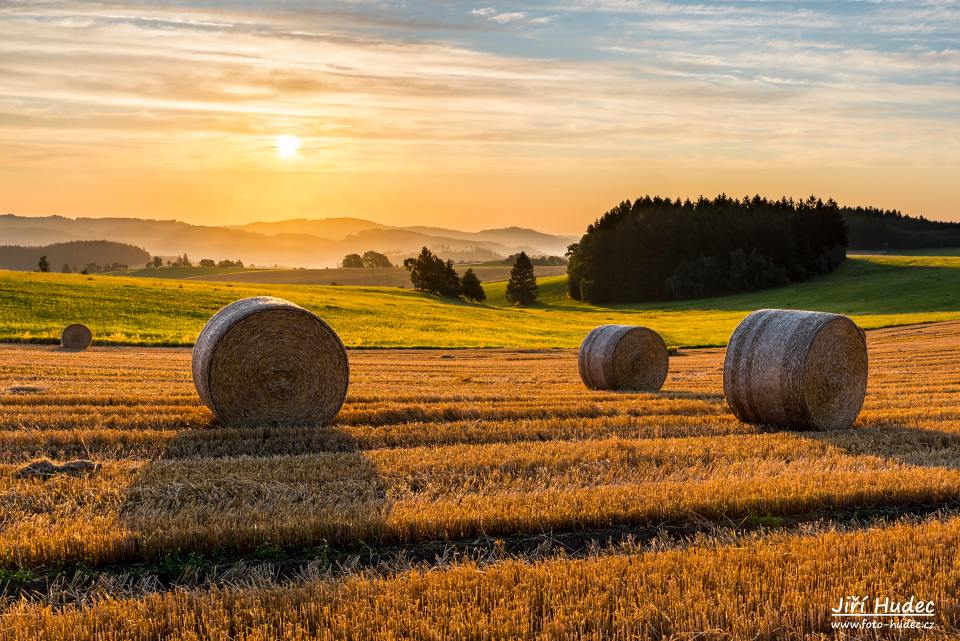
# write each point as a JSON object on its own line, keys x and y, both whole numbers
{"x": 470, "y": 494}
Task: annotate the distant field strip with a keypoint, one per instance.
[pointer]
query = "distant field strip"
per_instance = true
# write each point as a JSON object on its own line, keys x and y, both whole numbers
{"x": 878, "y": 291}
{"x": 379, "y": 277}
{"x": 438, "y": 446}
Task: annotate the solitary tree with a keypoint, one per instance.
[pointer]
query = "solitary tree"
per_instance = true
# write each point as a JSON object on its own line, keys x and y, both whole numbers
{"x": 470, "y": 287}
{"x": 207, "y": 262}
{"x": 66, "y": 268}
{"x": 522, "y": 287}
{"x": 43, "y": 264}
{"x": 352, "y": 260}
{"x": 375, "y": 259}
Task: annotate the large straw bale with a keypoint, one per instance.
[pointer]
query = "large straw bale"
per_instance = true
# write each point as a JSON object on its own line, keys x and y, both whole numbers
{"x": 796, "y": 369}
{"x": 265, "y": 360}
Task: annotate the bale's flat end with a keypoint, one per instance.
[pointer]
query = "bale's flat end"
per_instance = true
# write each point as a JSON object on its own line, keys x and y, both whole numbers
{"x": 623, "y": 357}
{"x": 796, "y": 369}
{"x": 265, "y": 360}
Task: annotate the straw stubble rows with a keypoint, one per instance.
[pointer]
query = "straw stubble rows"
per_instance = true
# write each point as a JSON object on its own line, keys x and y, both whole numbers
{"x": 438, "y": 446}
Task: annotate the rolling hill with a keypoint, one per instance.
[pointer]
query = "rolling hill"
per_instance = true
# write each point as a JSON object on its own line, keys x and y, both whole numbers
{"x": 295, "y": 243}
{"x": 76, "y": 253}
{"x": 153, "y": 311}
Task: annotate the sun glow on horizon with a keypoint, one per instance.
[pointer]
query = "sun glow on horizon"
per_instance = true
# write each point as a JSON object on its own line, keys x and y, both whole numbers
{"x": 541, "y": 114}
{"x": 287, "y": 146}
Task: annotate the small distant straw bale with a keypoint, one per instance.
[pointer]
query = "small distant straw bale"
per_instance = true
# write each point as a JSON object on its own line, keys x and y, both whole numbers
{"x": 76, "y": 336}
{"x": 623, "y": 357}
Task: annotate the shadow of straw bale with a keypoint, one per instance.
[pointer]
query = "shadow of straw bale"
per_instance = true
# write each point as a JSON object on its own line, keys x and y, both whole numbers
{"x": 223, "y": 490}
{"x": 896, "y": 441}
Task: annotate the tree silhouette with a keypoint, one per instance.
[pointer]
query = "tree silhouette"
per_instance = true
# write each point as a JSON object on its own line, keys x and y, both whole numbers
{"x": 471, "y": 288}
{"x": 43, "y": 264}
{"x": 655, "y": 248}
{"x": 375, "y": 259}
{"x": 430, "y": 273}
{"x": 352, "y": 261}
{"x": 522, "y": 287}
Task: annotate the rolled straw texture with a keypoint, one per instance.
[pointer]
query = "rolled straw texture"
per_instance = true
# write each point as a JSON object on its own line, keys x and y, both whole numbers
{"x": 265, "y": 360}
{"x": 796, "y": 369}
{"x": 623, "y": 357}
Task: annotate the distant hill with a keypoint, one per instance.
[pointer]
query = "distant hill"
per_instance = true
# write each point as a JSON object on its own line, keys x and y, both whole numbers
{"x": 77, "y": 254}
{"x": 292, "y": 243}
{"x": 528, "y": 239}
{"x": 328, "y": 228}
{"x": 891, "y": 230}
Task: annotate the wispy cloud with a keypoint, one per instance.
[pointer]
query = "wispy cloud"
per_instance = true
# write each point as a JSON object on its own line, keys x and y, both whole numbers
{"x": 377, "y": 87}
{"x": 509, "y": 16}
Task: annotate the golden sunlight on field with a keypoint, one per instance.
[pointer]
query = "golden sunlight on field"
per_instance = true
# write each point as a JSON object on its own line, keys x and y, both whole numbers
{"x": 445, "y": 446}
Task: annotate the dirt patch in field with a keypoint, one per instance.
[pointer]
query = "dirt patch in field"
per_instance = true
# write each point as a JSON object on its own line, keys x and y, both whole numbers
{"x": 45, "y": 468}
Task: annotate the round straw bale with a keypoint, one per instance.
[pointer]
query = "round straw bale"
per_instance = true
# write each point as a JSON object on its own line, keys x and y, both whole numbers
{"x": 623, "y": 357}
{"x": 796, "y": 369}
{"x": 265, "y": 360}
{"x": 76, "y": 336}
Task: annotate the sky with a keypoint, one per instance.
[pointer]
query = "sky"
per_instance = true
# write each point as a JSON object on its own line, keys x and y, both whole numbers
{"x": 473, "y": 114}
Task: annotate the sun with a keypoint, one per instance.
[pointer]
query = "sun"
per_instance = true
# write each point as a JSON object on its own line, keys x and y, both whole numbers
{"x": 287, "y": 146}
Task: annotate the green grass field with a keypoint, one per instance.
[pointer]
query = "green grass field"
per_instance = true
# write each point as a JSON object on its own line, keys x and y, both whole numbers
{"x": 942, "y": 251}
{"x": 877, "y": 291}
{"x": 177, "y": 273}
{"x": 383, "y": 277}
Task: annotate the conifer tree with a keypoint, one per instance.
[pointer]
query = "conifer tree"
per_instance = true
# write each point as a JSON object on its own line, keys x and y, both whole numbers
{"x": 522, "y": 288}
{"x": 470, "y": 287}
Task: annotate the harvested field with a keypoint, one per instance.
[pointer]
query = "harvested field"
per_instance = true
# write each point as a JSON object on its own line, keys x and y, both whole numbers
{"x": 430, "y": 448}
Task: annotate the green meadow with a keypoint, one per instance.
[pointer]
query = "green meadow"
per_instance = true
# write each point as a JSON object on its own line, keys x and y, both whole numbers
{"x": 877, "y": 291}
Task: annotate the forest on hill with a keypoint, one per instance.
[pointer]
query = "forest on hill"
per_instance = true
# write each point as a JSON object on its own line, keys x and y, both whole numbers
{"x": 890, "y": 230}
{"x": 656, "y": 248}
{"x": 74, "y": 256}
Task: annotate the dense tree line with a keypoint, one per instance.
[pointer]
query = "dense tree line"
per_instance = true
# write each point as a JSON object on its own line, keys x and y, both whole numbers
{"x": 657, "y": 248}
{"x": 89, "y": 268}
{"x": 872, "y": 228}
{"x": 77, "y": 254}
{"x": 209, "y": 262}
{"x": 538, "y": 261}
